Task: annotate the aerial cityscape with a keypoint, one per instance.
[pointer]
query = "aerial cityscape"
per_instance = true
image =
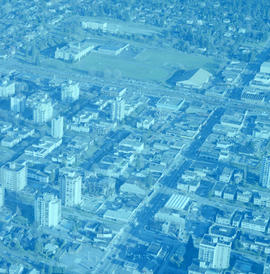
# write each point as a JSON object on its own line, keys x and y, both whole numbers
{"x": 135, "y": 136}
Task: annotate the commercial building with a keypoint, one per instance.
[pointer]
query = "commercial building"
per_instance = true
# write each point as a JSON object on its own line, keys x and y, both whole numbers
{"x": 57, "y": 127}
{"x": 166, "y": 103}
{"x": 71, "y": 189}
{"x": 177, "y": 202}
{"x": 44, "y": 147}
{"x": 214, "y": 253}
{"x": 194, "y": 78}
{"x": 70, "y": 91}
{"x": 14, "y": 176}
{"x": 120, "y": 215}
{"x": 47, "y": 210}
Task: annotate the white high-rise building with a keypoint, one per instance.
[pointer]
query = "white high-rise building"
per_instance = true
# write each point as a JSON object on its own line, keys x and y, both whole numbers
{"x": 7, "y": 87}
{"x": 2, "y": 195}
{"x": 214, "y": 253}
{"x": 118, "y": 109}
{"x": 71, "y": 189}
{"x": 57, "y": 127}
{"x": 17, "y": 103}
{"x": 47, "y": 210}
{"x": 14, "y": 176}
{"x": 70, "y": 91}
{"x": 265, "y": 172}
{"x": 222, "y": 253}
{"x": 43, "y": 112}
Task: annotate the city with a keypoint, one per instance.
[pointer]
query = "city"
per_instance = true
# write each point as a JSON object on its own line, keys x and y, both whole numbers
{"x": 135, "y": 136}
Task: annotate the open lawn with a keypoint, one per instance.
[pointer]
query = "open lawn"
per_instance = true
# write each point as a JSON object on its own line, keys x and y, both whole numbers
{"x": 171, "y": 57}
{"x": 149, "y": 65}
{"x": 128, "y": 67}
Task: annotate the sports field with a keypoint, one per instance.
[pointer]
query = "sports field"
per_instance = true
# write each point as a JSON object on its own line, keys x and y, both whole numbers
{"x": 149, "y": 65}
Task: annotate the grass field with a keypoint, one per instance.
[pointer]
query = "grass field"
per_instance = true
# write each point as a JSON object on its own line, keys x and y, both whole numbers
{"x": 164, "y": 57}
{"x": 149, "y": 65}
{"x": 128, "y": 67}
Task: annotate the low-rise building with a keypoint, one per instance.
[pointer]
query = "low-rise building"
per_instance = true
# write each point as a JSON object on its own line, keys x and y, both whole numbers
{"x": 74, "y": 51}
{"x": 225, "y": 233}
{"x": 261, "y": 199}
{"x": 167, "y": 103}
{"x": 237, "y": 218}
{"x": 94, "y": 25}
{"x": 258, "y": 223}
{"x": 229, "y": 192}
{"x": 218, "y": 189}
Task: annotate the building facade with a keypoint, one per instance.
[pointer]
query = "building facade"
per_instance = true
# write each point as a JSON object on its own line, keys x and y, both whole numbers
{"x": 71, "y": 189}
{"x": 17, "y": 103}
{"x": 214, "y": 253}
{"x": 265, "y": 172}
{"x": 7, "y": 87}
{"x": 118, "y": 109}
{"x": 57, "y": 127}
{"x": 222, "y": 253}
{"x": 47, "y": 210}
{"x": 14, "y": 176}
{"x": 43, "y": 112}
{"x": 2, "y": 195}
{"x": 70, "y": 91}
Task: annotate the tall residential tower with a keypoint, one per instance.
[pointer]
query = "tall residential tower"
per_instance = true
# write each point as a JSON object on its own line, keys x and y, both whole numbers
{"x": 47, "y": 210}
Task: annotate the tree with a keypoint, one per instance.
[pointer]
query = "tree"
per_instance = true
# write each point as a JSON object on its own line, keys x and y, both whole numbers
{"x": 190, "y": 253}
